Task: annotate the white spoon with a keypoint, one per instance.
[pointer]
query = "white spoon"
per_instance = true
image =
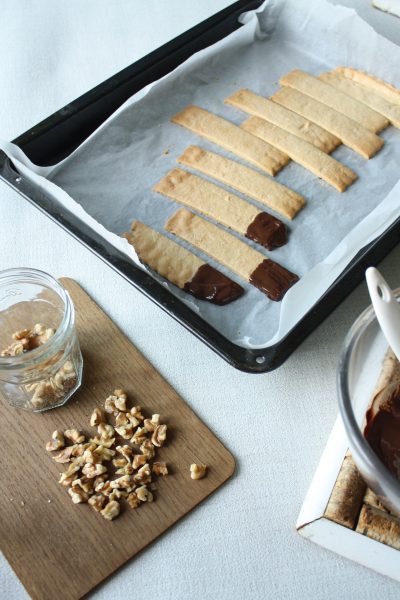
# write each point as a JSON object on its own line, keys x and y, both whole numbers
{"x": 386, "y": 307}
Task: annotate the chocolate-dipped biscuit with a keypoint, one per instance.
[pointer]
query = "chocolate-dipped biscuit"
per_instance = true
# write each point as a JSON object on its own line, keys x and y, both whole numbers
{"x": 224, "y": 207}
{"x": 181, "y": 267}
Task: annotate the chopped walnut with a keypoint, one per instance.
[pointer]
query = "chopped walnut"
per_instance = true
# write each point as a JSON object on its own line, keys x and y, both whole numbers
{"x": 44, "y": 395}
{"x": 197, "y": 471}
{"x": 104, "y": 454}
{"x": 78, "y": 495}
{"x": 160, "y": 468}
{"x": 121, "y": 419}
{"x": 105, "y": 488}
{"x": 143, "y": 494}
{"x": 105, "y": 442}
{"x": 85, "y": 483}
{"x": 79, "y": 449}
{"x": 120, "y": 462}
{"x": 147, "y": 449}
{"x": 139, "y": 436}
{"x": 109, "y": 405}
{"x": 136, "y": 411}
{"x": 118, "y": 494}
{"x": 132, "y": 420}
{"x": 19, "y": 335}
{"x": 133, "y": 500}
{"x": 105, "y": 431}
{"x": 28, "y": 339}
{"x": 99, "y": 479}
{"x": 97, "y": 502}
{"x": 151, "y": 424}
{"x": 88, "y": 478}
{"x": 57, "y": 441}
{"x": 52, "y": 389}
{"x": 126, "y": 451}
{"x": 66, "y": 481}
{"x": 72, "y": 468}
{"x": 41, "y": 334}
{"x": 127, "y": 470}
{"x": 89, "y": 457}
{"x": 97, "y": 417}
{"x": 64, "y": 456}
{"x": 111, "y": 510}
{"x": 92, "y": 470}
{"x": 125, "y": 431}
{"x": 120, "y": 400}
{"x": 159, "y": 436}
{"x": 123, "y": 482}
{"x": 138, "y": 461}
{"x": 143, "y": 475}
{"x": 74, "y": 436}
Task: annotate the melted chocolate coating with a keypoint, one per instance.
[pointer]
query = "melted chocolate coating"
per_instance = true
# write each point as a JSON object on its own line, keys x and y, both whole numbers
{"x": 382, "y": 432}
{"x": 267, "y": 231}
{"x": 272, "y": 279}
{"x": 209, "y": 284}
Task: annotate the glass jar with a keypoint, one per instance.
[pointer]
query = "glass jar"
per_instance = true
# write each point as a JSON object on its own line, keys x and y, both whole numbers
{"x": 40, "y": 359}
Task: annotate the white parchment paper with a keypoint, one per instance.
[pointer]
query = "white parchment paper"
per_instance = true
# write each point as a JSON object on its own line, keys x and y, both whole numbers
{"x": 107, "y": 181}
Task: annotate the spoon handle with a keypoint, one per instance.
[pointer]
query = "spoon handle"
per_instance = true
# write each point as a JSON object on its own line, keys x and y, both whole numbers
{"x": 387, "y": 309}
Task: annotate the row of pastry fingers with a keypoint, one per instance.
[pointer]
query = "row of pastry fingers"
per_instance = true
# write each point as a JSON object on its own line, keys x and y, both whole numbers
{"x": 275, "y": 122}
{"x": 304, "y": 121}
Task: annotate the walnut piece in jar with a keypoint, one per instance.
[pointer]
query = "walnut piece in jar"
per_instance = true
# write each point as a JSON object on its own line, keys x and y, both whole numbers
{"x": 50, "y": 389}
{"x": 28, "y": 339}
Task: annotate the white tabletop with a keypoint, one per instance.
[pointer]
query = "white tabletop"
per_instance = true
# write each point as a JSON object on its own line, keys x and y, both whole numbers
{"x": 242, "y": 542}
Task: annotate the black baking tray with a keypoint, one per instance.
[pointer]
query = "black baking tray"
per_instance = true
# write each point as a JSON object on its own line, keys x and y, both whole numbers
{"x": 57, "y": 136}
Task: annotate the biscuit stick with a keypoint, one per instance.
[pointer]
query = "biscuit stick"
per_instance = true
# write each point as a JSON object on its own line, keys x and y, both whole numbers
{"x": 265, "y": 274}
{"x": 180, "y": 266}
{"x": 365, "y": 95}
{"x": 224, "y": 207}
{"x": 232, "y": 138}
{"x": 307, "y": 155}
{"x": 286, "y": 119}
{"x": 323, "y": 92}
{"x": 352, "y": 134}
{"x": 255, "y": 185}
{"x": 384, "y": 89}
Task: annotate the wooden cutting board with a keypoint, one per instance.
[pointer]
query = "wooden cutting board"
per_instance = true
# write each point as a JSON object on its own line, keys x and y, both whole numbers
{"x": 61, "y": 550}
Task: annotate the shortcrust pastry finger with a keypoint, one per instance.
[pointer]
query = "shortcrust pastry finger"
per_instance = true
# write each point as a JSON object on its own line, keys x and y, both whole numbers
{"x": 307, "y": 155}
{"x": 265, "y": 274}
{"x": 321, "y": 91}
{"x": 365, "y": 95}
{"x": 181, "y": 267}
{"x": 352, "y": 134}
{"x": 272, "y": 194}
{"x": 286, "y": 119}
{"x": 381, "y": 87}
{"x": 232, "y": 138}
{"x": 224, "y": 207}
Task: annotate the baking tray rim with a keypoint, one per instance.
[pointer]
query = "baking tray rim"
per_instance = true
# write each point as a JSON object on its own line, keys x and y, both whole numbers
{"x": 252, "y": 360}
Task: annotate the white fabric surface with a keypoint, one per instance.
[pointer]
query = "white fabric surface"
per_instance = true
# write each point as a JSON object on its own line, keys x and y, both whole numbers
{"x": 241, "y": 543}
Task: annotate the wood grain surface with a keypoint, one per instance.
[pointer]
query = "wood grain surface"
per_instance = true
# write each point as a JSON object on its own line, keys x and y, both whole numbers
{"x": 61, "y": 550}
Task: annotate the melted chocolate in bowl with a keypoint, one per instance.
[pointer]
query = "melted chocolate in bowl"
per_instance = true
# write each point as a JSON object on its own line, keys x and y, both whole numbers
{"x": 382, "y": 431}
